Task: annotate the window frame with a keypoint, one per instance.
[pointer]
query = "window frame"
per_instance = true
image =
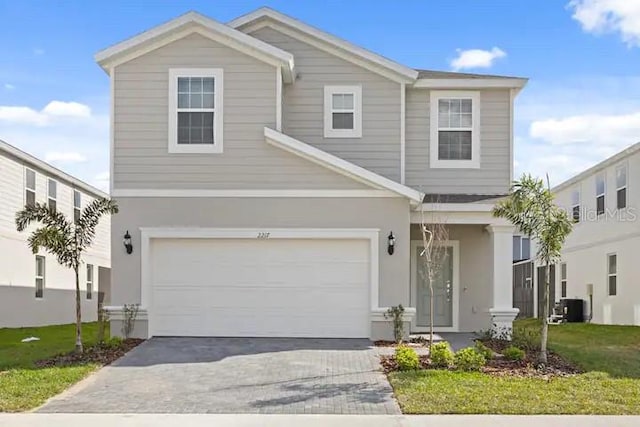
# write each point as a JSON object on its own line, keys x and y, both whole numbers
{"x": 89, "y": 283}
{"x": 43, "y": 278}
{"x": 356, "y": 91}
{"x": 55, "y": 198}
{"x": 563, "y": 280}
{"x": 30, "y": 190}
{"x": 435, "y": 97}
{"x": 624, "y": 187}
{"x": 521, "y": 245}
{"x": 602, "y": 195}
{"x": 610, "y": 274}
{"x": 78, "y": 209}
{"x": 574, "y": 205}
{"x": 218, "y": 111}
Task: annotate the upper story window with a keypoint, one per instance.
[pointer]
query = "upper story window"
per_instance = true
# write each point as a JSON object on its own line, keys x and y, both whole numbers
{"x": 455, "y": 129}
{"x": 343, "y": 111}
{"x": 575, "y": 205}
{"x": 621, "y": 187}
{"x": 195, "y": 110}
{"x": 29, "y": 187}
{"x": 77, "y": 205}
{"x": 52, "y": 194}
{"x": 600, "y": 191}
{"x": 521, "y": 248}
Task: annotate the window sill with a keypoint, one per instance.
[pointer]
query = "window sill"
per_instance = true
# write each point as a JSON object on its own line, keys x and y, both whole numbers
{"x": 195, "y": 148}
{"x": 331, "y": 133}
{"x": 454, "y": 164}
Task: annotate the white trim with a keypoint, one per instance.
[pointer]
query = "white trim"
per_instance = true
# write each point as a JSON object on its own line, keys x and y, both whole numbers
{"x": 378, "y": 314}
{"x": 455, "y": 306}
{"x": 194, "y": 22}
{"x": 457, "y": 207}
{"x": 434, "y": 161}
{"x": 112, "y": 123}
{"x": 471, "y": 83}
{"x": 403, "y": 116}
{"x": 339, "y": 165}
{"x": 147, "y": 234}
{"x": 218, "y": 111}
{"x": 356, "y": 92}
{"x": 152, "y": 192}
{"x": 352, "y": 51}
{"x": 512, "y": 96}
{"x": 279, "y": 99}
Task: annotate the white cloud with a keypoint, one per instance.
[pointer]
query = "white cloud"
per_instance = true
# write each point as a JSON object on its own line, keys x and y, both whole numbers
{"x": 616, "y": 130}
{"x": 9, "y": 86}
{"x": 609, "y": 16}
{"x": 55, "y": 110}
{"x": 64, "y": 157}
{"x": 476, "y": 58}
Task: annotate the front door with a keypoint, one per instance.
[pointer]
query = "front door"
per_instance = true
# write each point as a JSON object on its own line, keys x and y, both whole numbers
{"x": 444, "y": 290}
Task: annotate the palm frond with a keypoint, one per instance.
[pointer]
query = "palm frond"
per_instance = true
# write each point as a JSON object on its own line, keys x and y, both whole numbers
{"x": 90, "y": 217}
{"x": 55, "y": 242}
{"x": 41, "y": 213}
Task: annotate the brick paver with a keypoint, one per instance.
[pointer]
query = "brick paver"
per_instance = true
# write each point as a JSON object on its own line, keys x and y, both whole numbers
{"x": 237, "y": 375}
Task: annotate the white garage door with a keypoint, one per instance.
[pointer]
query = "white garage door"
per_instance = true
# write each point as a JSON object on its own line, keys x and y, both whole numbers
{"x": 260, "y": 288}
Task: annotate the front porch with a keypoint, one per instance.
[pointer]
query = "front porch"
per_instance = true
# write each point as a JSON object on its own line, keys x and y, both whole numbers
{"x": 473, "y": 291}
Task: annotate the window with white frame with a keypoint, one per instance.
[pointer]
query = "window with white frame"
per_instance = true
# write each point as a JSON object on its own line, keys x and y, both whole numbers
{"x": 343, "y": 111}
{"x": 575, "y": 205}
{"x": 621, "y": 187}
{"x": 521, "y": 248}
{"x": 455, "y": 129}
{"x": 89, "y": 281}
{"x": 52, "y": 194}
{"x": 563, "y": 280}
{"x": 612, "y": 274}
{"x": 195, "y": 110}
{"x": 77, "y": 205}
{"x": 600, "y": 191}
{"x": 40, "y": 276}
{"x": 29, "y": 187}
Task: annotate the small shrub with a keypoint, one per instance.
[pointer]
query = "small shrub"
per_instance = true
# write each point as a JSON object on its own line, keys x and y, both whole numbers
{"x": 468, "y": 359}
{"x": 484, "y": 350}
{"x": 441, "y": 355}
{"x": 514, "y": 353}
{"x": 407, "y": 358}
{"x": 396, "y": 313}
{"x": 113, "y": 342}
{"x": 526, "y": 338}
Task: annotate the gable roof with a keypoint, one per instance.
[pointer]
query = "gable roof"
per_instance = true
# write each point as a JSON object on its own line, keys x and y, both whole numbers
{"x": 599, "y": 166}
{"x": 339, "y": 165}
{"x": 189, "y": 23}
{"x": 265, "y": 13}
{"x": 54, "y": 172}
{"x": 435, "y": 74}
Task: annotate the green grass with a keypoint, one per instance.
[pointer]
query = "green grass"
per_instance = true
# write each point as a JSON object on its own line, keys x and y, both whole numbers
{"x": 609, "y": 355}
{"x": 23, "y": 386}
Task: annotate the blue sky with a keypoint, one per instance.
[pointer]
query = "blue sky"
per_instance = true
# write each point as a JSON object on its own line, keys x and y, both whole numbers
{"x": 582, "y": 103}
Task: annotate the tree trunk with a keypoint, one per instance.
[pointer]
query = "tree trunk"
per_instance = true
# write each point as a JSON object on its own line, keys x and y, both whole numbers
{"x": 79, "y": 348}
{"x": 430, "y": 312}
{"x": 545, "y": 316}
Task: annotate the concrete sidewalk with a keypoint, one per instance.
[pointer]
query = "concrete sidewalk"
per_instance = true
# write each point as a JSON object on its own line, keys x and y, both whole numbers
{"x": 250, "y": 420}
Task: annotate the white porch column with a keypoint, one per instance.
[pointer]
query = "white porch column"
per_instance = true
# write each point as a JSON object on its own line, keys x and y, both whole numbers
{"x": 502, "y": 311}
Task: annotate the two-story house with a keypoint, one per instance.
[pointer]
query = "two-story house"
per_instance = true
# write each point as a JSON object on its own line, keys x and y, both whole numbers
{"x": 34, "y": 289}
{"x": 273, "y": 179}
{"x": 600, "y": 258}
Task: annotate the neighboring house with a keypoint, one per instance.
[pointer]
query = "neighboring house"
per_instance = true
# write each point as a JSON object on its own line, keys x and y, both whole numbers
{"x": 34, "y": 289}
{"x": 600, "y": 258}
{"x": 272, "y": 177}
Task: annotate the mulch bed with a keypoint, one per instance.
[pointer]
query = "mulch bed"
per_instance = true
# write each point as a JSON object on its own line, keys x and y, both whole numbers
{"x": 102, "y": 354}
{"x": 500, "y": 367}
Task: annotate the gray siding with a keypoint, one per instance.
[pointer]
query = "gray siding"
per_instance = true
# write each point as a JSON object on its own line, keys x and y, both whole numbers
{"x": 493, "y": 176}
{"x": 303, "y": 111}
{"x": 141, "y": 103}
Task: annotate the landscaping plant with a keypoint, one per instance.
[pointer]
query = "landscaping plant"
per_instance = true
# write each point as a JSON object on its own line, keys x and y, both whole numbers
{"x": 531, "y": 209}
{"x": 407, "y": 358}
{"x": 484, "y": 350}
{"x": 441, "y": 355}
{"x": 513, "y": 353}
{"x": 468, "y": 359}
{"x": 66, "y": 239}
{"x": 396, "y": 314}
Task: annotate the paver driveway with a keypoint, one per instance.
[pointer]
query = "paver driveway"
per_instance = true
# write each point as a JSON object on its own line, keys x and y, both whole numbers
{"x": 237, "y": 375}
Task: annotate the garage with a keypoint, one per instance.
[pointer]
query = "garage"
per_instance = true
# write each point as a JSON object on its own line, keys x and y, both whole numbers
{"x": 270, "y": 285}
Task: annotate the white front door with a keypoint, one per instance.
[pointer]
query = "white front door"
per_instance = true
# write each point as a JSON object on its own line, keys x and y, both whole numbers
{"x": 260, "y": 288}
{"x": 445, "y": 289}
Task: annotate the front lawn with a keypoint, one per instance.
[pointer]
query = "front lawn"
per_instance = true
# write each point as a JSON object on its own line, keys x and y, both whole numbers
{"x": 609, "y": 356}
{"x": 23, "y": 385}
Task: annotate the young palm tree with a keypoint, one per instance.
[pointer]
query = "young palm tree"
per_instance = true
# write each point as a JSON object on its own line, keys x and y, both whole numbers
{"x": 530, "y": 207}
{"x": 65, "y": 239}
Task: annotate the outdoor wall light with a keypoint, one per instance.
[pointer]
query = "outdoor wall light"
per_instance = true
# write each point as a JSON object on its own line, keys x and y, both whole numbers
{"x": 391, "y": 243}
{"x": 127, "y": 242}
